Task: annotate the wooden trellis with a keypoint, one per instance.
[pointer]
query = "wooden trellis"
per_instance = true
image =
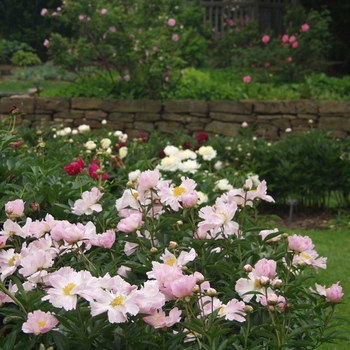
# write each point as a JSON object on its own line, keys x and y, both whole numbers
{"x": 269, "y": 14}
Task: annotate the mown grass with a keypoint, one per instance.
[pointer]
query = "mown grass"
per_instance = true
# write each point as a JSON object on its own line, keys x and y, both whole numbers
{"x": 335, "y": 245}
{"x": 49, "y": 88}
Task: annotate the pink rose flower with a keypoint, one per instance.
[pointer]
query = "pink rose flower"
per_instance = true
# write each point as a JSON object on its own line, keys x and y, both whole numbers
{"x": 265, "y": 39}
{"x": 295, "y": 45}
{"x": 305, "y": 27}
{"x": 292, "y": 38}
{"x": 285, "y": 38}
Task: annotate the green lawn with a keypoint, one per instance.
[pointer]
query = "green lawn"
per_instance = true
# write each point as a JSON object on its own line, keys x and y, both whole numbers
{"x": 49, "y": 88}
{"x": 335, "y": 245}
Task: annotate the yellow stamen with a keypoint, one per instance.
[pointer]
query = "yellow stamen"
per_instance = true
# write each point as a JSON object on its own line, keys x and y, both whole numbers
{"x": 178, "y": 191}
{"x": 117, "y": 301}
{"x": 11, "y": 261}
{"x": 67, "y": 289}
{"x": 257, "y": 284}
{"x": 41, "y": 324}
{"x": 171, "y": 261}
{"x": 305, "y": 256}
{"x": 135, "y": 195}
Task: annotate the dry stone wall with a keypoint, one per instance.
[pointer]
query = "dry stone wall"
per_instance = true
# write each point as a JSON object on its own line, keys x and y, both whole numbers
{"x": 270, "y": 118}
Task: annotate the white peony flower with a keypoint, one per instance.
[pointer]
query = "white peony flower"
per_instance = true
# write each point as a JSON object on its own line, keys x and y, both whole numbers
{"x": 207, "y": 152}
{"x": 123, "y": 152}
{"x": 105, "y": 143}
{"x": 223, "y": 185}
{"x": 84, "y": 128}
{"x": 90, "y": 145}
{"x": 133, "y": 175}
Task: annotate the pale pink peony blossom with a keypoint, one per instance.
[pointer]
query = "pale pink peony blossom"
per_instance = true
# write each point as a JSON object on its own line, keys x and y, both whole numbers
{"x": 300, "y": 243}
{"x": 175, "y": 37}
{"x": 39, "y": 322}
{"x": 14, "y": 209}
{"x": 103, "y": 11}
{"x": 234, "y": 310}
{"x": 88, "y": 204}
{"x": 334, "y": 293}
{"x": 244, "y": 125}
{"x": 43, "y": 12}
{"x": 130, "y": 223}
{"x": 158, "y": 319}
{"x": 265, "y": 267}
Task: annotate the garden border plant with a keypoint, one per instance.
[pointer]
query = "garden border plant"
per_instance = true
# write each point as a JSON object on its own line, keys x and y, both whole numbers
{"x": 170, "y": 255}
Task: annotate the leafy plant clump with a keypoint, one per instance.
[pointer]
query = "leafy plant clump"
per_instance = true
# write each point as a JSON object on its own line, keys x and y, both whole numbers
{"x": 150, "y": 242}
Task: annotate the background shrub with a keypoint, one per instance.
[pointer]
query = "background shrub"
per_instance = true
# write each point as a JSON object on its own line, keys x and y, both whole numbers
{"x": 22, "y": 58}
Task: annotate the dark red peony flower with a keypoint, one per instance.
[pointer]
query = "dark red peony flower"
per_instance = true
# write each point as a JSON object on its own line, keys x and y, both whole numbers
{"x": 75, "y": 168}
{"x": 161, "y": 154}
{"x": 92, "y": 170}
{"x": 142, "y": 138}
{"x": 186, "y": 145}
{"x": 17, "y": 144}
{"x": 202, "y": 137}
{"x": 119, "y": 145}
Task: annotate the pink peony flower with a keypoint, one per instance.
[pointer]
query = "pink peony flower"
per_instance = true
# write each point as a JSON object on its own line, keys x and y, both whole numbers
{"x": 103, "y": 11}
{"x": 39, "y": 322}
{"x": 88, "y": 204}
{"x": 43, "y": 12}
{"x": 265, "y": 39}
{"x": 81, "y": 18}
{"x": 112, "y": 29}
{"x": 267, "y": 64}
{"x": 130, "y": 223}
{"x": 171, "y": 22}
{"x": 288, "y": 60}
{"x": 75, "y": 168}
{"x": 127, "y": 77}
{"x": 334, "y": 293}
{"x": 305, "y": 27}
{"x": 46, "y": 43}
{"x": 266, "y": 268}
{"x": 247, "y": 79}
{"x": 14, "y": 209}
{"x": 300, "y": 243}
{"x": 92, "y": 170}
{"x": 244, "y": 125}
{"x": 158, "y": 319}
{"x": 175, "y": 37}
{"x": 295, "y": 45}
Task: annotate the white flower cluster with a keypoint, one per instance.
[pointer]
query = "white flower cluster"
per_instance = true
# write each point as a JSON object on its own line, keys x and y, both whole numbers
{"x": 178, "y": 159}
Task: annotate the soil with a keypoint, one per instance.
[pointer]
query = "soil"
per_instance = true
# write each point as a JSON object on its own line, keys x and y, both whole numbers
{"x": 303, "y": 220}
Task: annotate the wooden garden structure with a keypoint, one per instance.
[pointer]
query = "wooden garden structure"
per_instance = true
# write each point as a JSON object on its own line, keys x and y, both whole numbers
{"x": 269, "y": 13}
